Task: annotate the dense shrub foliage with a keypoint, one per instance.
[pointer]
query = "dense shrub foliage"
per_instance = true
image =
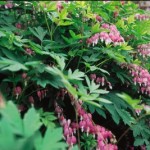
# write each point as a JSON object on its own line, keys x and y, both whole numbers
{"x": 74, "y": 75}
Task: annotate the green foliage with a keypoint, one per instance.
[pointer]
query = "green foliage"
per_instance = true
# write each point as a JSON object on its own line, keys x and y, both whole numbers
{"x": 11, "y": 65}
{"x": 118, "y": 109}
{"x": 49, "y": 45}
{"x": 134, "y": 103}
{"x": 12, "y": 116}
{"x": 88, "y": 143}
{"x": 23, "y": 133}
{"x": 141, "y": 133}
{"x": 39, "y": 33}
{"x": 76, "y": 75}
{"x": 34, "y": 124}
{"x": 47, "y": 118}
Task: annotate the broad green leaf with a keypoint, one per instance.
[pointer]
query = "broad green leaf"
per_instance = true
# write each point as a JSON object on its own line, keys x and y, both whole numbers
{"x": 126, "y": 116}
{"x": 76, "y": 75}
{"x": 82, "y": 88}
{"x": 138, "y": 142}
{"x": 93, "y": 87}
{"x": 57, "y": 76}
{"x": 93, "y": 103}
{"x": 33, "y": 63}
{"x": 25, "y": 143}
{"x": 15, "y": 67}
{"x": 121, "y": 24}
{"x": 63, "y": 14}
{"x": 11, "y": 65}
{"x": 87, "y": 81}
{"x": 63, "y": 82}
{"x": 38, "y": 140}
{"x": 52, "y": 140}
{"x": 94, "y": 68}
{"x": 7, "y": 139}
{"x": 131, "y": 19}
{"x": 9, "y": 54}
{"x": 12, "y": 116}
{"x": 89, "y": 97}
{"x": 133, "y": 102}
{"x": 101, "y": 112}
{"x": 113, "y": 112}
{"x": 2, "y": 34}
{"x": 39, "y": 32}
{"x": 140, "y": 129}
{"x": 65, "y": 23}
{"x": 31, "y": 125}
{"x": 148, "y": 147}
{"x": 43, "y": 82}
{"x": 91, "y": 108}
{"x": 104, "y": 71}
{"x": 103, "y": 100}
{"x": 50, "y": 6}
{"x": 60, "y": 61}
{"x": 75, "y": 147}
{"x": 95, "y": 28}
{"x": 36, "y": 47}
{"x": 74, "y": 36}
{"x": 125, "y": 47}
{"x": 92, "y": 58}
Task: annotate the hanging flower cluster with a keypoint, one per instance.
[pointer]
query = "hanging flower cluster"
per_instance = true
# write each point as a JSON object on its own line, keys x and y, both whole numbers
{"x": 41, "y": 94}
{"x": 31, "y": 100}
{"x": 59, "y": 6}
{"x": 138, "y": 111}
{"x": 142, "y": 17}
{"x": 105, "y": 139}
{"x": 28, "y": 51}
{"x": 140, "y": 76}
{"x": 24, "y": 75}
{"x": 98, "y": 18}
{"x": 9, "y": 5}
{"x": 21, "y": 108}
{"x": 18, "y": 25}
{"x": 101, "y": 81}
{"x": 144, "y": 50}
{"x": 113, "y": 36}
{"x": 17, "y": 91}
{"x": 145, "y": 107}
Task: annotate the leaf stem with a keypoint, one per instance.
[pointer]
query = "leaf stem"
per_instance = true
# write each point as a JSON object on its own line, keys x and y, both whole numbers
{"x": 34, "y": 92}
{"x": 48, "y": 26}
{"x": 79, "y": 61}
{"x": 103, "y": 62}
{"x": 23, "y": 91}
{"x": 124, "y": 133}
{"x": 100, "y": 64}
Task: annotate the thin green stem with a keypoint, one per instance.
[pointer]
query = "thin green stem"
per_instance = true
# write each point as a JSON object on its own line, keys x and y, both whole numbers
{"x": 100, "y": 64}
{"x": 124, "y": 133}
{"x": 55, "y": 29}
{"x": 34, "y": 92}
{"x": 68, "y": 62}
{"x": 103, "y": 62}
{"x": 79, "y": 61}
{"x": 47, "y": 25}
{"x": 23, "y": 91}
